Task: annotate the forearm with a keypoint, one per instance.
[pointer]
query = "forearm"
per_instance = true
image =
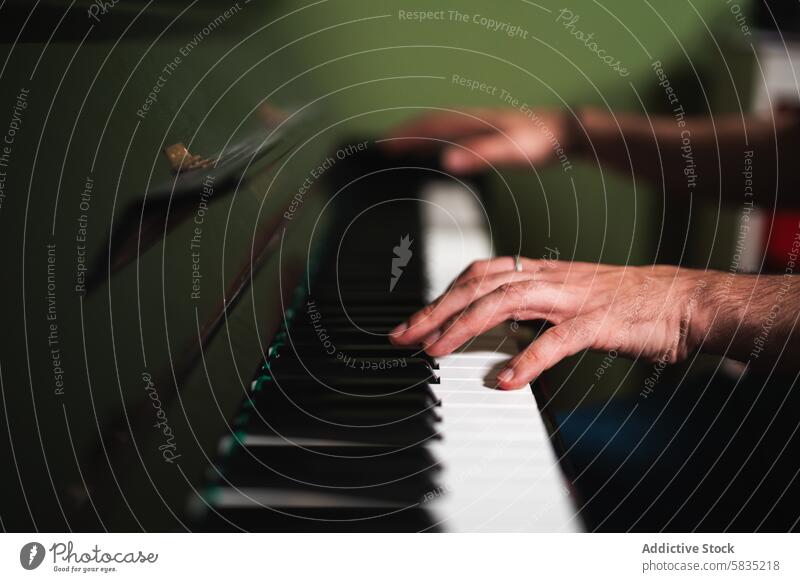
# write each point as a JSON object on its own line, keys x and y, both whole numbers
{"x": 700, "y": 156}
{"x": 751, "y": 318}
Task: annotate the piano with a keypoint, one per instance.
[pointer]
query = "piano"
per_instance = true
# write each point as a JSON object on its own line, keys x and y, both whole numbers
{"x": 197, "y": 298}
{"x": 341, "y": 431}
{"x": 162, "y": 372}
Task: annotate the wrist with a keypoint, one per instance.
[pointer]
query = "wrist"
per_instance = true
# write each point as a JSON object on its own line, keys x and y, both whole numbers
{"x": 577, "y": 139}
{"x": 702, "y": 296}
{"x": 732, "y": 310}
{"x": 691, "y": 307}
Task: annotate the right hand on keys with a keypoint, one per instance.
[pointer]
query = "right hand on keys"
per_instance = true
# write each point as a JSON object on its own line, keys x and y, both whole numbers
{"x": 659, "y": 313}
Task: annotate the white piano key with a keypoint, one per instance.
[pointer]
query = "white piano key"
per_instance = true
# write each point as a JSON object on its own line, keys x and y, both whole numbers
{"x": 500, "y": 469}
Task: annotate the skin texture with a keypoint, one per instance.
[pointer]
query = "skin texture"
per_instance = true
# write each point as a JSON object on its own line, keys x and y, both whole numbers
{"x": 658, "y": 313}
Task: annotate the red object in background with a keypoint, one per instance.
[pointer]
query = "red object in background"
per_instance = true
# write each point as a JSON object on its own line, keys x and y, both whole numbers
{"x": 785, "y": 227}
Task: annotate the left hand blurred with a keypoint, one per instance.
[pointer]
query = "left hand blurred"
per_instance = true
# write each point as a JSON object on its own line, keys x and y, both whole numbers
{"x": 653, "y": 312}
{"x": 473, "y": 139}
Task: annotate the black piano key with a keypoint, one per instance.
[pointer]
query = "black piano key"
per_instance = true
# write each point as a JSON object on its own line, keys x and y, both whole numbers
{"x": 389, "y": 518}
{"x": 323, "y": 397}
{"x": 376, "y": 350}
{"x": 349, "y": 417}
{"x": 409, "y": 433}
{"x": 339, "y": 409}
{"x": 365, "y": 412}
{"x": 331, "y": 338}
{"x": 361, "y": 471}
{"x": 339, "y": 376}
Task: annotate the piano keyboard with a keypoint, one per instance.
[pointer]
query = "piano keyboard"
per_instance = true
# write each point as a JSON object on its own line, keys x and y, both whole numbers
{"x": 499, "y": 466}
{"x": 344, "y": 432}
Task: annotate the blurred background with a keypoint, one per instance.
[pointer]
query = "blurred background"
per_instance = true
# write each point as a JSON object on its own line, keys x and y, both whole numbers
{"x": 89, "y": 67}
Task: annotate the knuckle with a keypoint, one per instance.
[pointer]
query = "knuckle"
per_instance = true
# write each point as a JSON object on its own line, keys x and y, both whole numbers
{"x": 453, "y": 322}
{"x": 517, "y": 291}
{"x": 423, "y": 314}
{"x": 580, "y": 330}
{"x": 528, "y": 356}
{"x": 430, "y": 308}
{"x": 464, "y": 315}
{"x": 506, "y": 289}
{"x": 532, "y": 286}
{"x": 477, "y": 268}
{"x": 506, "y": 295}
{"x": 470, "y": 317}
{"x": 561, "y": 333}
{"x": 473, "y": 285}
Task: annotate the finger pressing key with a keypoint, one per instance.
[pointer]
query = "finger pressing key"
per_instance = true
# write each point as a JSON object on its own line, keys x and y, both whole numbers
{"x": 424, "y": 322}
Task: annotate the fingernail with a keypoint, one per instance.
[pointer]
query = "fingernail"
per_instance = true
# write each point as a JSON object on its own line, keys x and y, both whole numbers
{"x": 506, "y": 375}
{"x": 400, "y": 329}
{"x": 431, "y": 339}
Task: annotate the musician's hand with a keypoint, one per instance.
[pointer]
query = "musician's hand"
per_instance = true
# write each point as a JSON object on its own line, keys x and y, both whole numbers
{"x": 472, "y": 139}
{"x": 654, "y": 312}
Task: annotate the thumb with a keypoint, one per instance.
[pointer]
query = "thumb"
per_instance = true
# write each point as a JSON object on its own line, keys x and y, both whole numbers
{"x": 555, "y": 344}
